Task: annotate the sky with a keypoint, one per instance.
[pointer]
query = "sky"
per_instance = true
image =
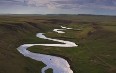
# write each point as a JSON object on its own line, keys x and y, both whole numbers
{"x": 98, "y": 7}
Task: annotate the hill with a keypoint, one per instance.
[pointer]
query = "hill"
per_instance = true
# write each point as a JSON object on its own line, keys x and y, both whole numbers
{"x": 96, "y": 40}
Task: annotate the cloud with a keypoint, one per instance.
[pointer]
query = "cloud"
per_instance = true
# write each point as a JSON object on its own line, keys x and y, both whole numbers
{"x": 66, "y": 4}
{"x": 74, "y": 4}
{"x": 11, "y": 2}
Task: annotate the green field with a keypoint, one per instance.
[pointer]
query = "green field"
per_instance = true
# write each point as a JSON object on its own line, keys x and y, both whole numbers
{"x": 96, "y": 52}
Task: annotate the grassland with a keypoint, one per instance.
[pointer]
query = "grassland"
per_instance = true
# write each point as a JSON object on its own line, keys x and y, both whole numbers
{"x": 96, "y": 52}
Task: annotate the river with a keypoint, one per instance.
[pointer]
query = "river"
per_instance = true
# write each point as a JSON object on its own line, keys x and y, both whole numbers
{"x": 58, "y": 64}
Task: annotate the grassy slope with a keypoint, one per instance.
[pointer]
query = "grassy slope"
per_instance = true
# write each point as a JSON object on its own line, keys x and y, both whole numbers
{"x": 95, "y": 54}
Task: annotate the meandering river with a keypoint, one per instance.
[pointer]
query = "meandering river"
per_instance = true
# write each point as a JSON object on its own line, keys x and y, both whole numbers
{"x": 58, "y": 64}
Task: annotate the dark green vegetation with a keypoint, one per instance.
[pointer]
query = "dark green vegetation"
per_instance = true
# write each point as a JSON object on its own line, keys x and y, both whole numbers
{"x": 96, "y": 52}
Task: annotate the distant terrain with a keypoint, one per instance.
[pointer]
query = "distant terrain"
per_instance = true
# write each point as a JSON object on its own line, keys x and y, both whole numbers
{"x": 96, "y": 38}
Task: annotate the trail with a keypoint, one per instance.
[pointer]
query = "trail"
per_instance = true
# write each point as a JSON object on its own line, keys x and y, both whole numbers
{"x": 58, "y": 64}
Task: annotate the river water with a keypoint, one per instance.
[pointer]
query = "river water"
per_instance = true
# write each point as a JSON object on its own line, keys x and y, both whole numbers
{"x": 58, "y": 64}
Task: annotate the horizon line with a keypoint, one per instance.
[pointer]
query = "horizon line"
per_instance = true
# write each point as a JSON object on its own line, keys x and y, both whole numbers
{"x": 55, "y": 14}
